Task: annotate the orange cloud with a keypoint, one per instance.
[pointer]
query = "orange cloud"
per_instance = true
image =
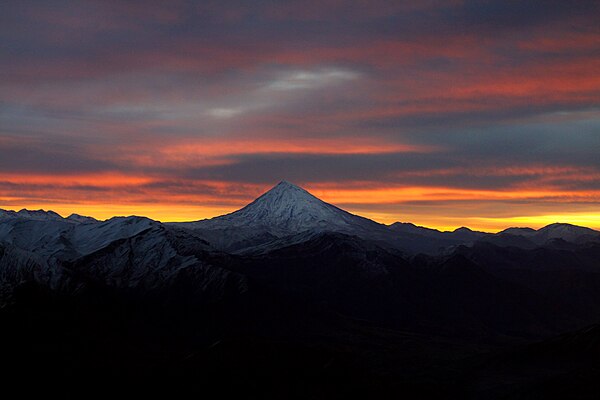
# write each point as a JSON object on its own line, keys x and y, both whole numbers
{"x": 220, "y": 148}
{"x": 207, "y": 151}
{"x": 416, "y": 193}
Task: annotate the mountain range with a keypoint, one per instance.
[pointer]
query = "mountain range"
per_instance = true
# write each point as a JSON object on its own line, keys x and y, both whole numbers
{"x": 287, "y": 211}
{"x": 290, "y": 281}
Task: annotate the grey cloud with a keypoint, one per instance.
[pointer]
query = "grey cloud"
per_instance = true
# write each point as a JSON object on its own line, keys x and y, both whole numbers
{"x": 47, "y": 158}
{"x": 435, "y": 169}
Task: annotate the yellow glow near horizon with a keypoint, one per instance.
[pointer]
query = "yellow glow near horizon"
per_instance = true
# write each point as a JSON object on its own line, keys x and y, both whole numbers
{"x": 183, "y": 213}
{"x": 437, "y": 208}
{"x": 487, "y": 224}
{"x": 539, "y": 221}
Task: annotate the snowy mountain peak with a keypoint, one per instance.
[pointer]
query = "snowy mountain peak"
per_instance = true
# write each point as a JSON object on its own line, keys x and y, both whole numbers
{"x": 39, "y": 215}
{"x": 568, "y": 232}
{"x": 288, "y": 209}
{"x": 286, "y": 192}
{"x": 286, "y": 185}
{"x": 287, "y": 204}
{"x": 565, "y": 226}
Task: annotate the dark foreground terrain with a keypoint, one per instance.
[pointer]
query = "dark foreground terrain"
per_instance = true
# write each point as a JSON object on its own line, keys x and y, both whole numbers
{"x": 306, "y": 333}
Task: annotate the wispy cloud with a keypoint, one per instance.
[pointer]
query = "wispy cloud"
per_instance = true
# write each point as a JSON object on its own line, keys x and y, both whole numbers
{"x": 311, "y": 79}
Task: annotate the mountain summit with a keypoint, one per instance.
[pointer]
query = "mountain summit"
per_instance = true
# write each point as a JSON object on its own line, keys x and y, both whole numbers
{"x": 288, "y": 209}
{"x": 284, "y": 211}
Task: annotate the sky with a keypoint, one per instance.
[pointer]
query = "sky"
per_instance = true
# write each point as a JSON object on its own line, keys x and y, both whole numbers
{"x": 442, "y": 113}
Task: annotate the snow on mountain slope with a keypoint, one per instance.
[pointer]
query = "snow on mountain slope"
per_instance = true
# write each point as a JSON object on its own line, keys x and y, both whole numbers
{"x": 40, "y": 236}
{"x": 566, "y": 232}
{"x": 87, "y": 238}
{"x": 56, "y": 239}
{"x": 158, "y": 258}
{"x": 17, "y": 265}
{"x": 289, "y": 209}
{"x": 50, "y": 235}
{"x": 39, "y": 215}
{"x": 42, "y": 215}
{"x": 284, "y": 210}
{"x": 122, "y": 252}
